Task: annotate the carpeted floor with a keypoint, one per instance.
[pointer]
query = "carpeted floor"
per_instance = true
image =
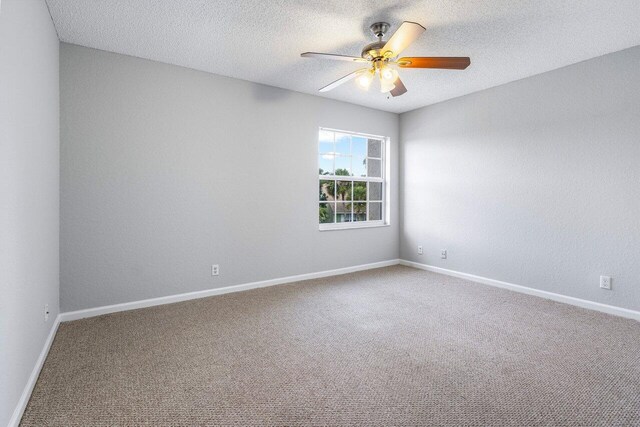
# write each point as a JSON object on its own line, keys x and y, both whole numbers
{"x": 389, "y": 347}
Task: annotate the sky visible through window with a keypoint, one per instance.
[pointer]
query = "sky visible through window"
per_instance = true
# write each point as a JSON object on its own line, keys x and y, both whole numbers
{"x": 349, "y": 154}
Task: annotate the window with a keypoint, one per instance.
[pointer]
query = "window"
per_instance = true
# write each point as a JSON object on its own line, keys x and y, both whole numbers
{"x": 351, "y": 179}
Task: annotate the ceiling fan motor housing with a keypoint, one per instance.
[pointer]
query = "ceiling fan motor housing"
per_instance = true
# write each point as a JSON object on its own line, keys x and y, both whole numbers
{"x": 373, "y": 51}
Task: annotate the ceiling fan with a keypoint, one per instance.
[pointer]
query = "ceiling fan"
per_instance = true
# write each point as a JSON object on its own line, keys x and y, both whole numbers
{"x": 382, "y": 59}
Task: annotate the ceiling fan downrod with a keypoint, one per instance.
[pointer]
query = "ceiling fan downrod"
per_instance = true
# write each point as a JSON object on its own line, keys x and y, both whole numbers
{"x": 379, "y": 29}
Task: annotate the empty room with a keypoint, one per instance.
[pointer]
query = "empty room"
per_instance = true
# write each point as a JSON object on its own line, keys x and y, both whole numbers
{"x": 319, "y": 213}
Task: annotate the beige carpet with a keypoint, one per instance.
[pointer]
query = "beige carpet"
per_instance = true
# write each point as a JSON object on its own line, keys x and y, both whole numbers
{"x": 387, "y": 347}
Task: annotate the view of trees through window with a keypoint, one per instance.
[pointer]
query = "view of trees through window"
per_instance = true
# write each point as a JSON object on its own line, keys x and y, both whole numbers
{"x": 350, "y": 177}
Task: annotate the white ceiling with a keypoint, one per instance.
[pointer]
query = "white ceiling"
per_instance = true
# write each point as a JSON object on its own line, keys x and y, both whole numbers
{"x": 261, "y": 40}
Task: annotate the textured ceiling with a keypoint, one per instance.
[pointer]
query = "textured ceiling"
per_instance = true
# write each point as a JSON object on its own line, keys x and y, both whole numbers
{"x": 261, "y": 40}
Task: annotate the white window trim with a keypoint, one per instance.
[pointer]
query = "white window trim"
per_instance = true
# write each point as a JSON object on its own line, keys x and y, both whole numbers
{"x": 385, "y": 141}
{"x": 352, "y": 225}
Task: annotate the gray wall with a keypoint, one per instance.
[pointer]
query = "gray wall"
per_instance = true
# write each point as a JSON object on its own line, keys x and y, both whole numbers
{"x": 29, "y": 191}
{"x": 166, "y": 170}
{"x": 536, "y": 182}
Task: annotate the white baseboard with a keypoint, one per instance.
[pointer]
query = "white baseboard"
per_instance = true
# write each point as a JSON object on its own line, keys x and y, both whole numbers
{"x": 31, "y": 382}
{"x": 97, "y": 311}
{"x": 610, "y": 309}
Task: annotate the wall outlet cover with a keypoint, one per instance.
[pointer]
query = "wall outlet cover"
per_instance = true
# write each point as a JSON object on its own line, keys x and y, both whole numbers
{"x": 605, "y": 282}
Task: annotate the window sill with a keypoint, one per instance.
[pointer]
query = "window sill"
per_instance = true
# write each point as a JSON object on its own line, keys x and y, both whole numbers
{"x": 351, "y": 226}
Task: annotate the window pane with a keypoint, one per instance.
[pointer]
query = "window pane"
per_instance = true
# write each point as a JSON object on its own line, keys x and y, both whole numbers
{"x": 343, "y": 212}
{"x": 343, "y": 190}
{"x": 358, "y": 146}
{"x": 325, "y": 164}
{"x": 325, "y": 136}
{"x": 343, "y": 144}
{"x": 375, "y": 191}
{"x": 358, "y": 166}
{"x": 327, "y": 190}
{"x": 375, "y": 148}
{"x": 375, "y": 211}
{"x": 326, "y": 142}
{"x": 326, "y": 213}
{"x": 359, "y": 211}
{"x": 374, "y": 168}
{"x": 343, "y": 165}
{"x": 359, "y": 190}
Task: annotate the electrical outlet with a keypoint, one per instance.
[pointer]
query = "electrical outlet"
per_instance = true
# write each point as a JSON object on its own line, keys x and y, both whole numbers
{"x": 443, "y": 254}
{"x": 420, "y": 250}
{"x": 605, "y": 282}
{"x": 215, "y": 270}
{"x": 46, "y": 312}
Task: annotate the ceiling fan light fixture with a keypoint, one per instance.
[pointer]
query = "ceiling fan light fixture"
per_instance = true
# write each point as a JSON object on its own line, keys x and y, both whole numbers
{"x": 388, "y": 74}
{"x": 386, "y": 85}
{"x": 365, "y": 79}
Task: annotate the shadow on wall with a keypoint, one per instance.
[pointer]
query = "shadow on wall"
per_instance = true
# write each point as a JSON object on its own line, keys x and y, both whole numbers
{"x": 264, "y": 93}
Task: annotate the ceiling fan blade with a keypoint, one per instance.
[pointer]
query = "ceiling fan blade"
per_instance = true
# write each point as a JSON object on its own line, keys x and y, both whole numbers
{"x": 342, "y": 80}
{"x": 399, "y": 89}
{"x": 403, "y": 37}
{"x": 332, "y": 56}
{"x": 447, "y": 63}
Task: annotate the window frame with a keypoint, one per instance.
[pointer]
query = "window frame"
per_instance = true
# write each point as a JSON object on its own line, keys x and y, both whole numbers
{"x": 383, "y": 180}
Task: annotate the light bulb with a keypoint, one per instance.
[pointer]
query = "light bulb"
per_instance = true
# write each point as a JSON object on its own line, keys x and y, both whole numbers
{"x": 364, "y": 81}
{"x": 388, "y": 74}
